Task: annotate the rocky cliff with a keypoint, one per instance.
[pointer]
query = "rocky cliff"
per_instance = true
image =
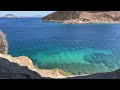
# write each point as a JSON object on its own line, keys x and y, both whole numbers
{"x": 84, "y": 17}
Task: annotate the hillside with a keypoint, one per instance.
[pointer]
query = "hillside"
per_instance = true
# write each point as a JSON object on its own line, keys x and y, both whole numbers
{"x": 84, "y": 17}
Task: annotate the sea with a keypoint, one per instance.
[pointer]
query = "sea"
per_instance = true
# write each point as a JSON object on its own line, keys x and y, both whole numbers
{"x": 74, "y": 48}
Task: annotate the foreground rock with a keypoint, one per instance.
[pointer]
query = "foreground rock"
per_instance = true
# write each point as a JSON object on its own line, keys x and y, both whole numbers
{"x": 23, "y": 68}
{"x": 12, "y": 70}
{"x": 73, "y": 17}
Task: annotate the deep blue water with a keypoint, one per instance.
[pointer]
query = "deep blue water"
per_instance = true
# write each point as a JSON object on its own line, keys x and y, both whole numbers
{"x": 78, "y": 48}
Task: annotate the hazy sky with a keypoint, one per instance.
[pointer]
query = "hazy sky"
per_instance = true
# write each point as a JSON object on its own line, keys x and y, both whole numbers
{"x": 25, "y": 13}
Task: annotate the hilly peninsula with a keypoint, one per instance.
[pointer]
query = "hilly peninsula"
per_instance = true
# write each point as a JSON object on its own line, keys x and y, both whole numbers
{"x": 76, "y": 17}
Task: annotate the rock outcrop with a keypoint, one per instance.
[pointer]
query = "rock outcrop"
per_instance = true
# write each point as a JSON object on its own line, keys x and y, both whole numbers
{"x": 84, "y": 17}
{"x": 3, "y": 43}
{"x": 23, "y": 68}
{"x": 107, "y": 75}
{"x": 12, "y": 70}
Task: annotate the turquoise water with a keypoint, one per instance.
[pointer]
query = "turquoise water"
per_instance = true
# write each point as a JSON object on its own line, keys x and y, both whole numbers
{"x": 78, "y": 48}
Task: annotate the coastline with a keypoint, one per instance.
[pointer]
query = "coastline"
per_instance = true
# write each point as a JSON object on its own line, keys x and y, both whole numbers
{"x": 45, "y": 73}
{"x": 25, "y": 62}
{"x": 64, "y": 22}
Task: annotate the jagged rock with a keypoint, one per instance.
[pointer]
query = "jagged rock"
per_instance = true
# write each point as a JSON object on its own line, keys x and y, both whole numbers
{"x": 11, "y": 70}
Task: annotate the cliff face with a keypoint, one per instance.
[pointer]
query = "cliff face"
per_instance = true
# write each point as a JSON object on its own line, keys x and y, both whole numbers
{"x": 83, "y": 16}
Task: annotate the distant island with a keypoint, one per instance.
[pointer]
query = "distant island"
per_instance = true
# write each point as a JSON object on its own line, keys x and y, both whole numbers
{"x": 13, "y": 16}
{"x": 9, "y": 16}
{"x": 73, "y": 17}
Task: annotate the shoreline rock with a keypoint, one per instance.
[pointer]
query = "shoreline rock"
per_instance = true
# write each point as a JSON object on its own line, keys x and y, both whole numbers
{"x": 24, "y": 61}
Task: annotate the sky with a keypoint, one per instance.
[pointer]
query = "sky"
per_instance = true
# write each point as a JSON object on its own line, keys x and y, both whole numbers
{"x": 26, "y": 13}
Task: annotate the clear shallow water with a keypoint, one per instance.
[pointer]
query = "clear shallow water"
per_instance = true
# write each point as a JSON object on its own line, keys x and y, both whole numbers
{"x": 78, "y": 48}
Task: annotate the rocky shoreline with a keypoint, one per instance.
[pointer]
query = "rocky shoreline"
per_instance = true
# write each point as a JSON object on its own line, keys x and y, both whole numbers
{"x": 76, "y": 22}
{"x": 24, "y": 61}
{"x": 23, "y": 68}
